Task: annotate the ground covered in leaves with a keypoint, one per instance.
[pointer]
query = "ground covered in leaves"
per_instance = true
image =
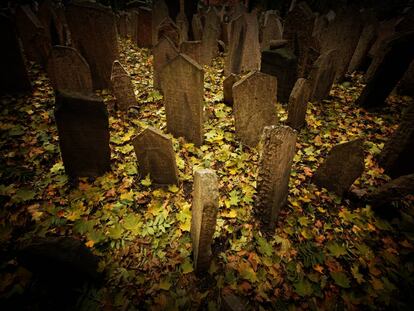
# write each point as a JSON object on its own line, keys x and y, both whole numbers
{"x": 326, "y": 252}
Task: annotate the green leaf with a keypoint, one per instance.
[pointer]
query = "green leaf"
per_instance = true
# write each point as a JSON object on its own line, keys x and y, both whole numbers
{"x": 340, "y": 279}
{"x": 336, "y": 249}
{"x": 264, "y": 247}
{"x": 146, "y": 182}
{"x": 23, "y": 195}
{"x": 187, "y": 267}
{"x": 303, "y": 288}
{"x": 165, "y": 284}
{"x": 116, "y": 232}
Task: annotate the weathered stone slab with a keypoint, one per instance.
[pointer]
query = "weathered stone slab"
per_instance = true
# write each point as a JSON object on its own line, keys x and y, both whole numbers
{"x": 322, "y": 75}
{"x": 69, "y": 71}
{"x": 344, "y": 164}
{"x": 169, "y": 29}
{"x": 160, "y": 12}
{"x": 156, "y": 157}
{"x": 254, "y": 106}
{"x": 361, "y": 51}
{"x": 122, "y": 87}
{"x": 274, "y": 172}
{"x": 55, "y": 24}
{"x": 183, "y": 26}
{"x": 193, "y": 49}
{"x": 282, "y": 64}
{"x": 272, "y": 29}
{"x": 134, "y": 25}
{"x": 163, "y": 52}
{"x": 122, "y": 24}
{"x": 298, "y": 102}
{"x": 228, "y": 88}
{"x": 144, "y": 33}
{"x": 204, "y": 214}
{"x": 197, "y": 27}
{"x": 237, "y": 38}
{"x": 251, "y": 48}
{"x": 83, "y": 128}
{"x": 182, "y": 82}
{"x": 94, "y": 33}
{"x": 211, "y": 34}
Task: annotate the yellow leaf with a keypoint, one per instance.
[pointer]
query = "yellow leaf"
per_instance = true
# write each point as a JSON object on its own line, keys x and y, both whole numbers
{"x": 90, "y": 243}
{"x": 164, "y": 284}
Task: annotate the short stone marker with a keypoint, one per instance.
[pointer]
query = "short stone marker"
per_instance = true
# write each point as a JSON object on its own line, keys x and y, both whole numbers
{"x": 204, "y": 214}
{"x": 298, "y": 102}
{"x": 164, "y": 51}
{"x": 193, "y": 49}
{"x": 272, "y": 29}
{"x": 122, "y": 87}
{"x": 83, "y": 127}
{"x": 182, "y": 82}
{"x": 156, "y": 157}
{"x": 322, "y": 75}
{"x": 344, "y": 164}
{"x": 274, "y": 172}
{"x": 68, "y": 70}
{"x": 228, "y": 88}
{"x": 254, "y": 106}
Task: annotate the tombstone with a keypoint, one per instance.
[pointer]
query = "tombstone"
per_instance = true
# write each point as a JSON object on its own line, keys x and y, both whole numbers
{"x": 237, "y": 37}
{"x": 210, "y": 36}
{"x": 83, "y": 128}
{"x": 272, "y": 29}
{"x": 228, "y": 88}
{"x": 251, "y": 48}
{"x": 406, "y": 85}
{"x": 94, "y": 33}
{"x": 282, "y": 64}
{"x": 322, "y": 76}
{"x": 122, "y": 87}
{"x": 298, "y": 102}
{"x": 13, "y": 74}
{"x": 144, "y": 32}
{"x": 122, "y": 24}
{"x": 68, "y": 70}
{"x": 183, "y": 26}
{"x": 55, "y": 25}
{"x": 160, "y": 12}
{"x": 254, "y": 106}
{"x": 277, "y": 44}
{"x": 203, "y": 220}
{"x": 193, "y": 49}
{"x": 343, "y": 165}
{"x": 197, "y": 27}
{"x": 182, "y": 82}
{"x": 274, "y": 172}
{"x": 156, "y": 157}
{"x": 134, "y": 25}
{"x": 384, "y": 31}
{"x": 163, "y": 52}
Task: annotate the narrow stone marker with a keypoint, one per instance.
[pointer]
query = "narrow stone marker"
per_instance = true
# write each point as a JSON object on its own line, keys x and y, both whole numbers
{"x": 298, "y": 101}
{"x": 251, "y": 49}
{"x": 237, "y": 37}
{"x": 272, "y": 29}
{"x": 164, "y": 51}
{"x": 156, "y": 157}
{"x": 169, "y": 29}
{"x": 344, "y": 164}
{"x": 254, "y": 106}
{"x": 228, "y": 88}
{"x": 204, "y": 214}
{"x": 274, "y": 172}
{"x": 144, "y": 33}
{"x": 211, "y": 34}
{"x": 83, "y": 128}
{"x": 122, "y": 87}
{"x": 322, "y": 75}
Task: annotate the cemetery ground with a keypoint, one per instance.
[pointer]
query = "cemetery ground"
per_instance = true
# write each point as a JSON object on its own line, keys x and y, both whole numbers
{"x": 326, "y": 252}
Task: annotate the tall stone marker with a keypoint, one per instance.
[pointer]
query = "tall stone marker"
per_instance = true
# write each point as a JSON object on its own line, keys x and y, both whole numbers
{"x": 144, "y": 33}
{"x": 69, "y": 71}
{"x": 237, "y": 38}
{"x": 210, "y": 36}
{"x": 254, "y": 106}
{"x": 274, "y": 172}
{"x": 322, "y": 75}
{"x": 228, "y": 88}
{"x": 83, "y": 128}
{"x": 164, "y": 51}
{"x": 122, "y": 87}
{"x": 182, "y": 82}
{"x": 251, "y": 48}
{"x": 298, "y": 102}
{"x": 204, "y": 214}
{"x": 344, "y": 164}
{"x": 272, "y": 29}
{"x": 169, "y": 29}
{"x": 197, "y": 27}
{"x": 159, "y": 13}
{"x": 156, "y": 157}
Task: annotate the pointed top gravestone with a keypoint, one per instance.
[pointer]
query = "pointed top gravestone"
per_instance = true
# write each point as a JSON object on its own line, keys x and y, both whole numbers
{"x": 272, "y": 29}
{"x": 298, "y": 102}
{"x": 167, "y": 28}
{"x": 322, "y": 75}
{"x": 163, "y": 52}
{"x": 156, "y": 157}
{"x": 122, "y": 87}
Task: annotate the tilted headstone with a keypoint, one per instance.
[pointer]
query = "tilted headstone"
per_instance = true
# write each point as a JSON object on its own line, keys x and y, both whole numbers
{"x": 169, "y": 29}
{"x": 68, "y": 70}
{"x": 322, "y": 75}
{"x": 204, "y": 216}
{"x": 272, "y": 29}
{"x": 361, "y": 51}
{"x": 197, "y": 27}
{"x": 211, "y": 34}
{"x": 298, "y": 102}
{"x": 122, "y": 87}
{"x": 251, "y": 48}
{"x": 237, "y": 38}
{"x": 163, "y": 51}
{"x": 160, "y": 12}
{"x": 156, "y": 157}
{"x": 344, "y": 164}
{"x": 55, "y": 24}
{"x": 274, "y": 172}
{"x": 193, "y": 49}
{"x": 254, "y": 106}
{"x": 144, "y": 33}
{"x": 282, "y": 64}
{"x": 183, "y": 26}
{"x": 228, "y": 88}
{"x": 83, "y": 128}
{"x": 182, "y": 82}
{"x": 94, "y": 33}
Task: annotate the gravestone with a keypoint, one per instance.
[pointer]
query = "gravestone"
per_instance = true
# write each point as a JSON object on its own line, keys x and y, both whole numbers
{"x": 272, "y": 29}
{"x": 406, "y": 85}
{"x": 122, "y": 87}
{"x": 210, "y": 36}
{"x": 122, "y": 24}
{"x": 134, "y": 25}
{"x": 237, "y": 38}
{"x": 251, "y": 48}
{"x": 228, "y": 88}
{"x": 55, "y": 25}
{"x": 163, "y": 52}
{"x": 182, "y": 82}
{"x": 83, "y": 128}
{"x": 183, "y": 26}
{"x": 298, "y": 102}
{"x": 159, "y": 13}
{"x": 156, "y": 157}
{"x": 277, "y": 44}
{"x": 197, "y": 27}
{"x": 344, "y": 164}
{"x": 193, "y": 49}
{"x": 168, "y": 28}
{"x": 282, "y": 64}
{"x": 204, "y": 214}
{"x": 274, "y": 172}
{"x": 13, "y": 74}
{"x": 94, "y": 34}
{"x": 144, "y": 33}
{"x": 322, "y": 75}
{"x": 361, "y": 51}
{"x": 68, "y": 70}
{"x": 254, "y": 107}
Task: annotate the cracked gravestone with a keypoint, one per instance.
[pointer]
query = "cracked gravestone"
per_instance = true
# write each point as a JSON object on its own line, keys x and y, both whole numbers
{"x": 122, "y": 87}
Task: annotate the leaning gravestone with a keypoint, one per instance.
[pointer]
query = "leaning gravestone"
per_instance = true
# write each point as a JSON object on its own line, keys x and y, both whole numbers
{"x": 210, "y": 36}
{"x": 69, "y": 71}
{"x": 163, "y": 52}
{"x": 144, "y": 32}
{"x": 254, "y": 106}
{"x": 55, "y": 25}
{"x": 156, "y": 157}
{"x": 322, "y": 75}
{"x": 204, "y": 214}
{"x": 272, "y": 29}
{"x": 237, "y": 38}
{"x": 122, "y": 87}
{"x": 228, "y": 88}
{"x": 182, "y": 82}
{"x": 183, "y": 26}
{"x": 298, "y": 102}
{"x": 159, "y": 13}
{"x": 83, "y": 128}
{"x": 169, "y": 29}
{"x": 94, "y": 33}
{"x": 251, "y": 48}
{"x": 344, "y": 164}
{"x": 193, "y": 49}
{"x": 274, "y": 171}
